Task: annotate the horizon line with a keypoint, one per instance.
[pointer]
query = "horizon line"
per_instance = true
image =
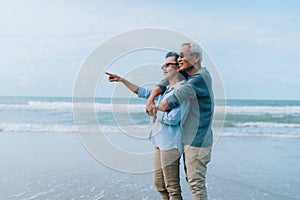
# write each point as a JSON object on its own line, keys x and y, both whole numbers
{"x": 52, "y": 96}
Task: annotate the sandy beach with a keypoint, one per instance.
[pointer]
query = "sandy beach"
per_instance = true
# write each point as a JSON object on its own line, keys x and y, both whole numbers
{"x": 56, "y": 166}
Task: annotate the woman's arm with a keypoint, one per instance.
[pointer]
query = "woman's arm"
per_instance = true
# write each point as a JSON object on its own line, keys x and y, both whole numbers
{"x": 115, "y": 78}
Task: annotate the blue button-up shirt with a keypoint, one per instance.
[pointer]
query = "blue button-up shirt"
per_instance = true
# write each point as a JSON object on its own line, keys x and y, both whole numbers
{"x": 165, "y": 133}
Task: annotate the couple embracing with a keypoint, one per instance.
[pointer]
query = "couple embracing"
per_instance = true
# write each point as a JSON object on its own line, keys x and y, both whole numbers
{"x": 182, "y": 107}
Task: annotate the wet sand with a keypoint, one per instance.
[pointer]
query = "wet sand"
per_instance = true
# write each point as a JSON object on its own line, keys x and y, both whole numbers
{"x": 56, "y": 166}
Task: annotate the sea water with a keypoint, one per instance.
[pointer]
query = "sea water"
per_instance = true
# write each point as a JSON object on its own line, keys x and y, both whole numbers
{"x": 270, "y": 126}
{"x": 244, "y": 118}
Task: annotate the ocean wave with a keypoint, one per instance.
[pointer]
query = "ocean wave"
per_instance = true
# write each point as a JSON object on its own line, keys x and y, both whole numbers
{"x": 263, "y": 124}
{"x": 260, "y": 109}
{"x": 130, "y": 130}
{"x": 137, "y": 108}
{"x": 68, "y": 106}
{"x": 27, "y": 127}
{"x": 55, "y": 128}
{"x": 269, "y": 135}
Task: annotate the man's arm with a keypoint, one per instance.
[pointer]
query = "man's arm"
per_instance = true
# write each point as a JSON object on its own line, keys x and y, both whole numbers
{"x": 163, "y": 106}
{"x": 160, "y": 88}
{"x": 172, "y": 117}
{"x": 150, "y": 102}
{"x": 182, "y": 93}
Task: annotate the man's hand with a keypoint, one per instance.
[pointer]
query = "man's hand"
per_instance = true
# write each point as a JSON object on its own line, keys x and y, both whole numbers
{"x": 150, "y": 106}
{"x": 150, "y": 102}
{"x": 163, "y": 106}
{"x": 154, "y": 114}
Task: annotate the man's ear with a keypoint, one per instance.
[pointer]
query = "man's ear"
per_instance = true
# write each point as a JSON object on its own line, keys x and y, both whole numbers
{"x": 196, "y": 58}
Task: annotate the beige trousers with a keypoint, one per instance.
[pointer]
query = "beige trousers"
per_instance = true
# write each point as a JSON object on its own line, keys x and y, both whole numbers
{"x": 195, "y": 165}
{"x": 166, "y": 173}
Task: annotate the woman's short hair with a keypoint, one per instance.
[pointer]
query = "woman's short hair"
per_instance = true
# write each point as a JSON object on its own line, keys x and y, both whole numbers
{"x": 171, "y": 54}
{"x": 182, "y": 74}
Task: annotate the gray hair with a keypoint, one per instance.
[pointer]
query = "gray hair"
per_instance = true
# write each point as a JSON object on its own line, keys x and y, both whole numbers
{"x": 194, "y": 49}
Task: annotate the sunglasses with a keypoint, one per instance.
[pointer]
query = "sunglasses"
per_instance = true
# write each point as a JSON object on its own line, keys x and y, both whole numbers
{"x": 182, "y": 55}
{"x": 168, "y": 65}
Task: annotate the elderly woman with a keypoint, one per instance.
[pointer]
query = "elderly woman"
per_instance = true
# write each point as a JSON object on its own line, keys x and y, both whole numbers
{"x": 165, "y": 134}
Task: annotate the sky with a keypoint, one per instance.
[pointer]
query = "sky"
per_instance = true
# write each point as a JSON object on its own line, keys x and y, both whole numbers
{"x": 255, "y": 45}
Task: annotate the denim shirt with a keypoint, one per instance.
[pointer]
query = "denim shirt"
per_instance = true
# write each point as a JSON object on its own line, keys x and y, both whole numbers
{"x": 165, "y": 133}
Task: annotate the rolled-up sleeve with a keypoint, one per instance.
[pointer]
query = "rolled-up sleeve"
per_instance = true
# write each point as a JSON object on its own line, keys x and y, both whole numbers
{"x": 172, "y": 117}
{"x": 163, "y": 85}
{"x": 144, "y": 92}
